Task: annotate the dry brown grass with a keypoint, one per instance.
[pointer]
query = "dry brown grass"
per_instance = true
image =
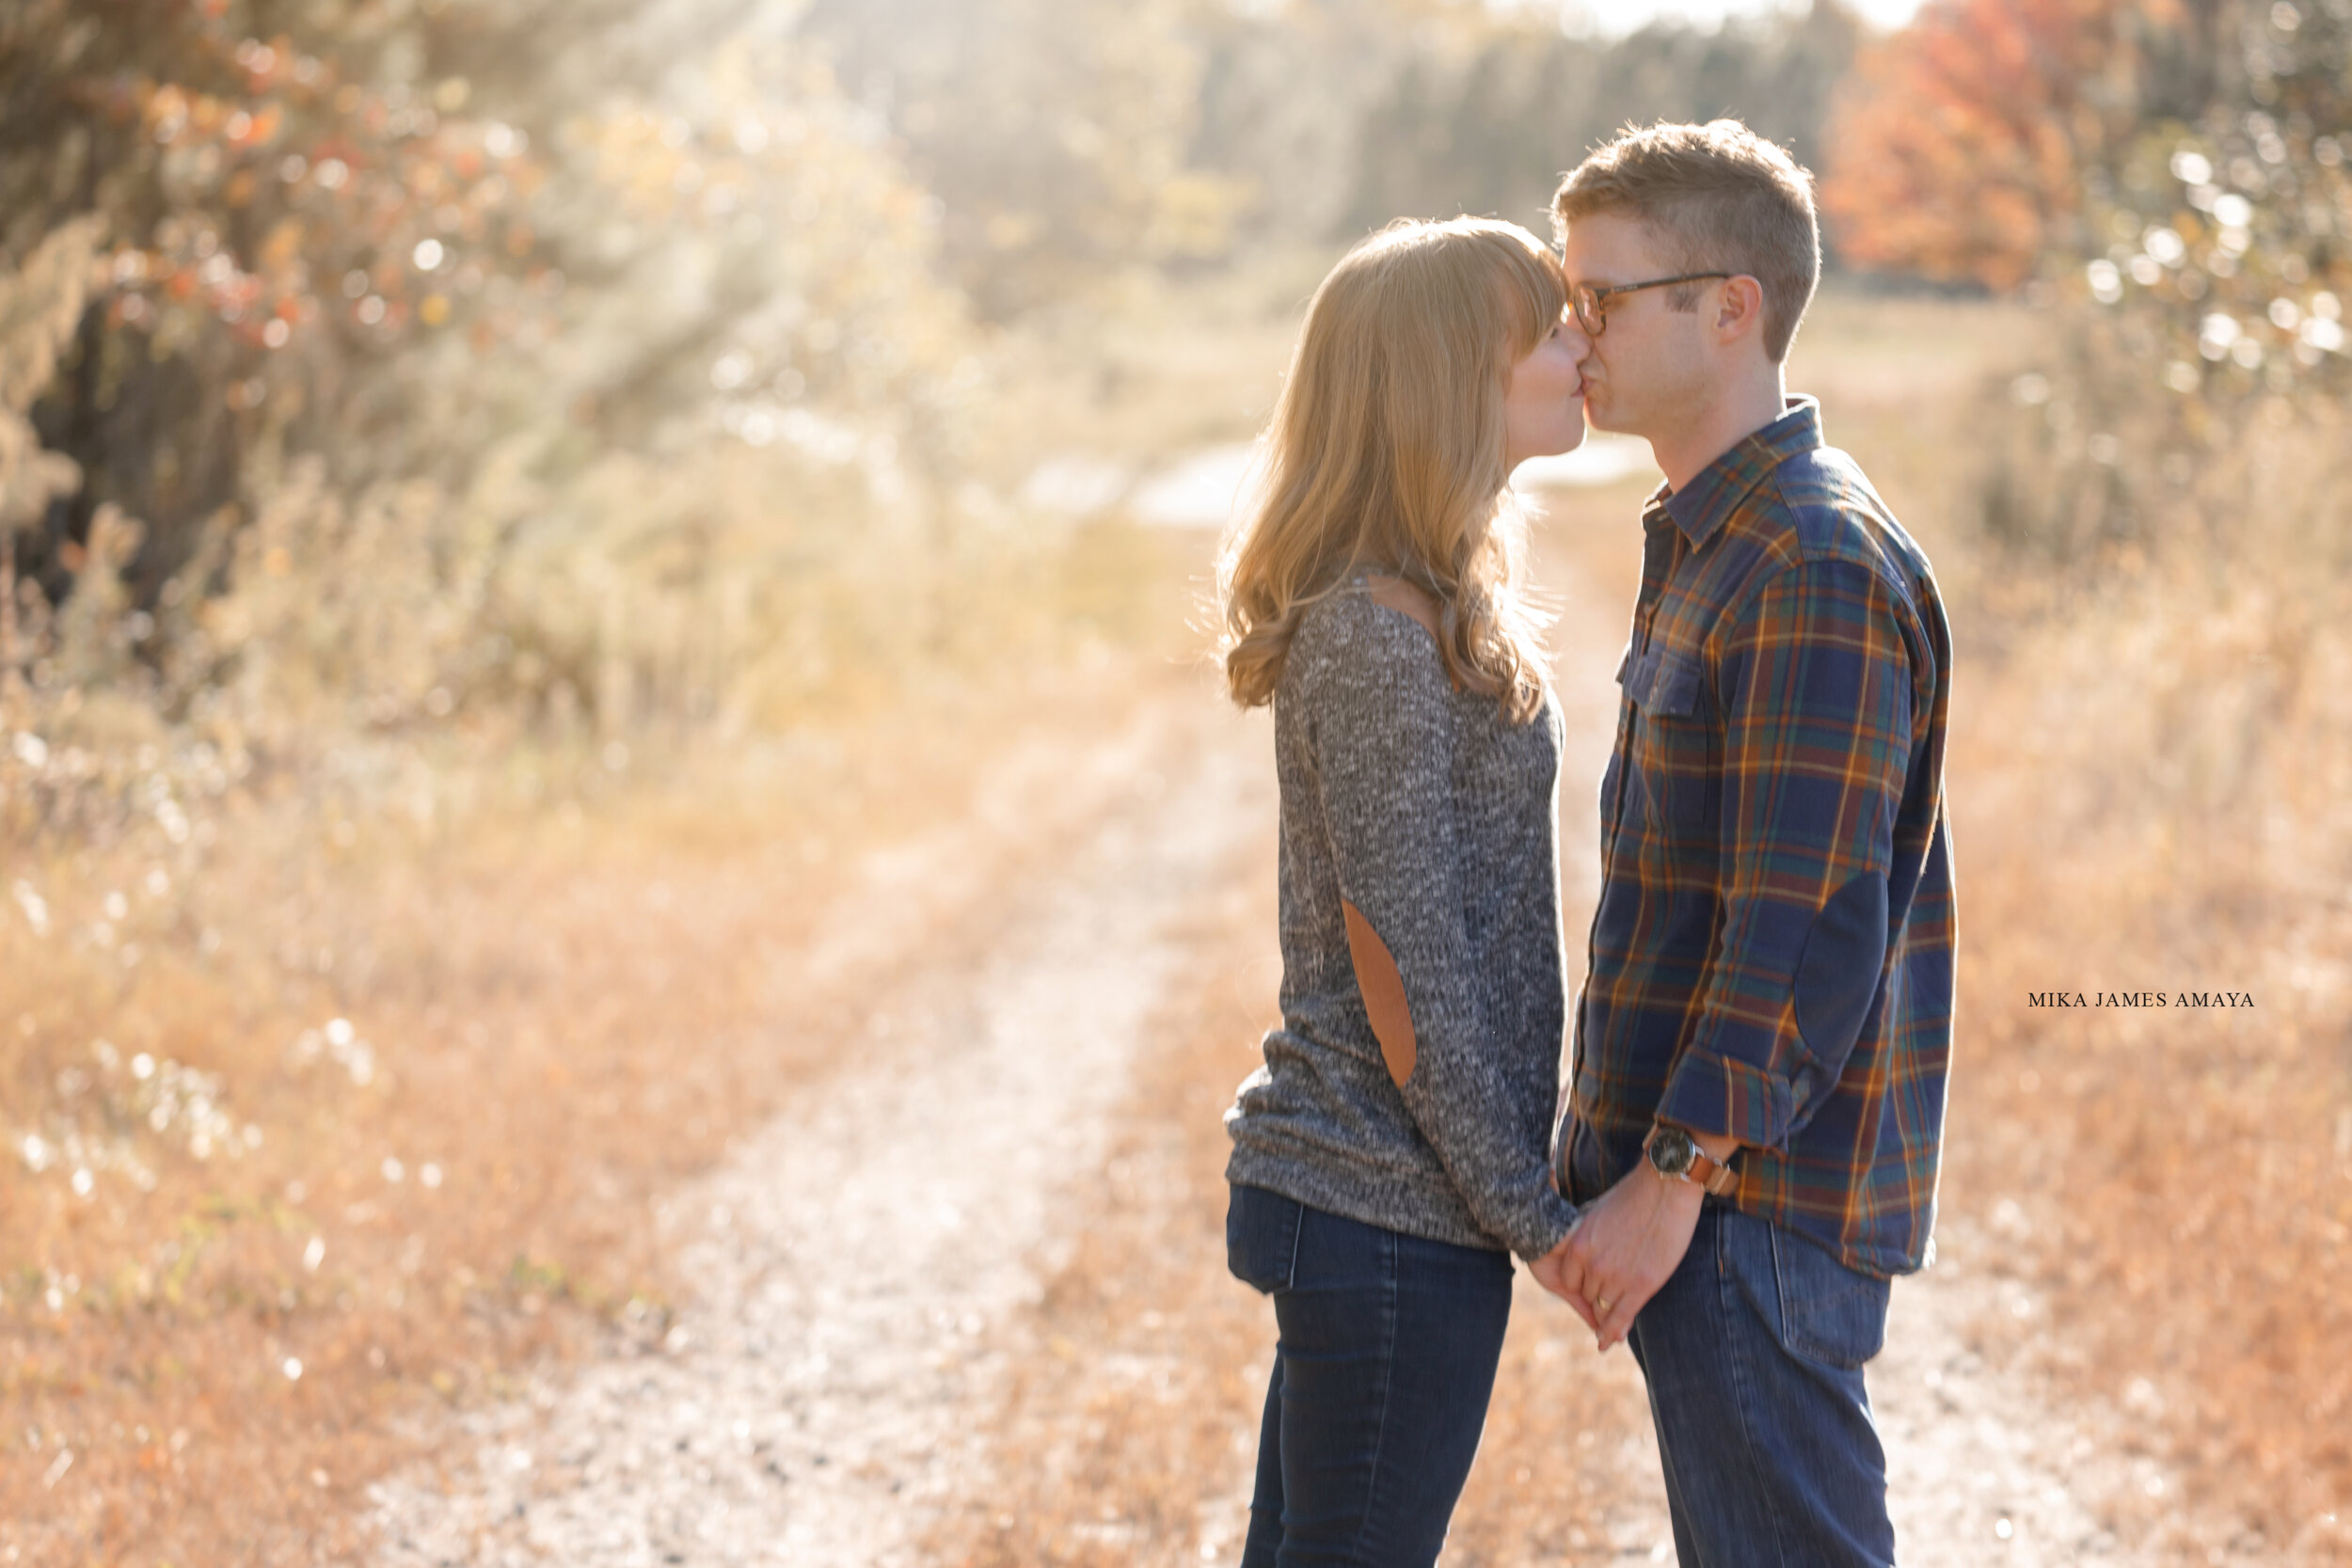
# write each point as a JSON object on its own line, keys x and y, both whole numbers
{"x": 2148, "y": 800}
{"x": 150, "y": 1331}
{"x": 559, "y": 993}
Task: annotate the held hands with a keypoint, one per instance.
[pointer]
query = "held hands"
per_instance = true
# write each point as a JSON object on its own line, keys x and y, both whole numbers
{"x": 1623, "y": 1247}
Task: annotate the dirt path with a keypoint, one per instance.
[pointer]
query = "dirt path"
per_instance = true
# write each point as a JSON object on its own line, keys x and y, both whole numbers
{"x": 857, "y": 1269}
{"x": 1980, "y": 1461}
{"x": 811, "y": 1401}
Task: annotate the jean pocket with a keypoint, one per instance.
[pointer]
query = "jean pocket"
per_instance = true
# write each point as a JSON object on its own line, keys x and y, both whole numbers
{"x": 1829, "y": 1313}
{"x": 1261, "y": 1237}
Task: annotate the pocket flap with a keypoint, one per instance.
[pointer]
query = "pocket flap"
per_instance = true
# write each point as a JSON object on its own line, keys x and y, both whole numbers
{"x": 1664, "y": 684}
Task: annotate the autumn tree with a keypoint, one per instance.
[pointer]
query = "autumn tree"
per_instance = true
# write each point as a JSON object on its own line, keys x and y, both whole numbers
{"x": 1961, "y": 149}
{"x": 2176, "y": 181}
{"x": 447, "y": 271}
{"x": 2181, "y": 162}
{"x": 267, "y": 221}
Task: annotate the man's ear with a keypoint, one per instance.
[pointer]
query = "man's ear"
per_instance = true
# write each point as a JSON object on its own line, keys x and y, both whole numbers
{"x": 1742, "y": 311}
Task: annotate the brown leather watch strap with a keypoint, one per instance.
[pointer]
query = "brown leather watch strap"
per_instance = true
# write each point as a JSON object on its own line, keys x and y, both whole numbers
{"x": 1717, "y": 1176}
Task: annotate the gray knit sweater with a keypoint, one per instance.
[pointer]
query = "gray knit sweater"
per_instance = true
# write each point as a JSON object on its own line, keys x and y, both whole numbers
{"x": 1432, "y": 813}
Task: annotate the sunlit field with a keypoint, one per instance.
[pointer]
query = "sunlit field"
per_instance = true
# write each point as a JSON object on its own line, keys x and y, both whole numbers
{"x": 612, "y": 786}
{"x": 322, "y": 1136}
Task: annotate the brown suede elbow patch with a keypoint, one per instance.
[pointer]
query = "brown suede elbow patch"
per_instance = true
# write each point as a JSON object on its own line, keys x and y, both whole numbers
{"x": 1383, "y": 989}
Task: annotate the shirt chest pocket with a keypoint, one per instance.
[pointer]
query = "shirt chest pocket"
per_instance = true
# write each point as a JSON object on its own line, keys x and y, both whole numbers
{"x": 1675, "y": 750}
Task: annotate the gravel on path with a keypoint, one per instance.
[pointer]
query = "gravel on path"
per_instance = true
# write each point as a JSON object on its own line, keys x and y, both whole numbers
{"x": 812, "y": 1403}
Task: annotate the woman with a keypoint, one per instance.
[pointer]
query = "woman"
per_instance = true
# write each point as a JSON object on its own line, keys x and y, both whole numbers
{"x": 1392, "y": 1153}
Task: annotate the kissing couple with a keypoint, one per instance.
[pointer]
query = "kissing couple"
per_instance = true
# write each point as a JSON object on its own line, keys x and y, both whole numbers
{"x": 1743, "y": 1151}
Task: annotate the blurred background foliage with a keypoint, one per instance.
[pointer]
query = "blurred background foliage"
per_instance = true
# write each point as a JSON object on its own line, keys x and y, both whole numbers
{"x": 2170, "y": 180}
{"x": 375, "y": 366}
{"x": 376, "y": 363}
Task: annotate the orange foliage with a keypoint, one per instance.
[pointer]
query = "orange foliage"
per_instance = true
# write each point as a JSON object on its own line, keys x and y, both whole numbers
{"x": 258, "y": 177}
{"x": 1958, "y": 150}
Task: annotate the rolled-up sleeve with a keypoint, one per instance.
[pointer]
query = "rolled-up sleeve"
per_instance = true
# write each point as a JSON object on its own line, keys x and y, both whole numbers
{"x": 1815, "y": 685}
{"x": 1384, "y": 744}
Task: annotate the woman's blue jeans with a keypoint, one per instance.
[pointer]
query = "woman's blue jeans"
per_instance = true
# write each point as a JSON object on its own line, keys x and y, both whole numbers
{"x": 1386, "y": 1360}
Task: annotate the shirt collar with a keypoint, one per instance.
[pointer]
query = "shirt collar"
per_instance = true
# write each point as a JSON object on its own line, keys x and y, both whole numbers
{"x": 1701, "y": 507}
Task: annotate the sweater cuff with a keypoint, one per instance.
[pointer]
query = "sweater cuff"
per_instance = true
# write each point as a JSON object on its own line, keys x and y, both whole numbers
{"x": 1545, "y": 1228}
{"x": 1711, "y": 1094}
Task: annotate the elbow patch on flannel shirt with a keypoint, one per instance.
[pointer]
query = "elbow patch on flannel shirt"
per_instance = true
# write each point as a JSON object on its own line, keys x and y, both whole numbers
{"x": 1838, "y": 972}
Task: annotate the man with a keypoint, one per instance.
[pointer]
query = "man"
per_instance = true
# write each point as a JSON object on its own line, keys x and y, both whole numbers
{"x": 1756, "y": 1105}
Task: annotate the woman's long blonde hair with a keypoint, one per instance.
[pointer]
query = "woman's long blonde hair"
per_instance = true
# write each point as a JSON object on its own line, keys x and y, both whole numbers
{"x": 1385, "y": 452}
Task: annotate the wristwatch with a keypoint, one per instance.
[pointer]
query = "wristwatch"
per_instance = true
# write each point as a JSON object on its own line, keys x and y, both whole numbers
{"x": 1676, "y": 1156}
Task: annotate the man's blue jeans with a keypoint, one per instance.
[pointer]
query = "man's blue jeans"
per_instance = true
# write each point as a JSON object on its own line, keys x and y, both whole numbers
{"x": 1386, "y": 1360}
{"x": 1754, "y": 1351}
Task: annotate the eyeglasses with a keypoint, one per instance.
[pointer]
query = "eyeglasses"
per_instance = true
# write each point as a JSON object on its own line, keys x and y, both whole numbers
{"x": 1591, "y": 311}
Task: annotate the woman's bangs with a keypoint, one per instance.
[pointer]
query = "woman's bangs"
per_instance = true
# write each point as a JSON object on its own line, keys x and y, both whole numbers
{"x": 1538, "y": 298}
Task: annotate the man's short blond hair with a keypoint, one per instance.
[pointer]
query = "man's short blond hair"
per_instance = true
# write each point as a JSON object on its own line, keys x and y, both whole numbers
{"x": 1718, "y": 197}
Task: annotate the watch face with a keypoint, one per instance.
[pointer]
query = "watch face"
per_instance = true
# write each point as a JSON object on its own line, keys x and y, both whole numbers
{"x": 1673, "y": 1150}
